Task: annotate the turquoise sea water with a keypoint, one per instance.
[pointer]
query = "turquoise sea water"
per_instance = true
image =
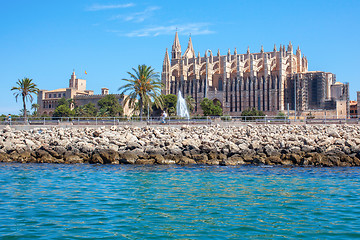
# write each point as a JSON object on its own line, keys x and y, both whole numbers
{"x": 45, "y": 201}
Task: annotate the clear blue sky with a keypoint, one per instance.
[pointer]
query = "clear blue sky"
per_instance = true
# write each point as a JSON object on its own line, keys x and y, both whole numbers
{"x": 45, "y": 40}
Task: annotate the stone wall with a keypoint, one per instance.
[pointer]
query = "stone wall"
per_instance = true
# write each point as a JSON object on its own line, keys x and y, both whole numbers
{"x": 292, "y": 145}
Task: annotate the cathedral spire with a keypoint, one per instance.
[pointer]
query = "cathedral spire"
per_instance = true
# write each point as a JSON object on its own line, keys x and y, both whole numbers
{"x": 166, "y": 61}
{"x": 262, "y": 49}
{"x": 275, "y": 48}
{"x": 290, "y": 47}
{"x": 218, "y": 52}
{"x": 190, "y": 43}
{"x": 176, "y": 48}
{"x": 235, "y": 51}
{"x": 189, "y": 52}
{"x": 248, "y": 50}
{"x": 298, "y": 52}
{"x": 176, "y": 43}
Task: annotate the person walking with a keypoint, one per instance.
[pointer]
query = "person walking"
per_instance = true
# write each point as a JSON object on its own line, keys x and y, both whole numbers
{"x": 9, "y": 119}
{"x": 163, "y": 117}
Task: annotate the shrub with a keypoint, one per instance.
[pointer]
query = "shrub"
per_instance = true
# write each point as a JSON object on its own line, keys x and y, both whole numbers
{"x": 211, "y": 109}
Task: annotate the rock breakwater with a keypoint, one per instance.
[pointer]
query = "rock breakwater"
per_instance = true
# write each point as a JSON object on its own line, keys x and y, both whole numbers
{"x": 301, "y": 145}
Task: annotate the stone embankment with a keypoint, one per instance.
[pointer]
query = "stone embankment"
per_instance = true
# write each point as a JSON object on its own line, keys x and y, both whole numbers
{"x": 300, "y": 145}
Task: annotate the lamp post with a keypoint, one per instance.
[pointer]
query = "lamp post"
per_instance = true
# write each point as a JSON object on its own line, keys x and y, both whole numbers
{"x": 206, "y": 74}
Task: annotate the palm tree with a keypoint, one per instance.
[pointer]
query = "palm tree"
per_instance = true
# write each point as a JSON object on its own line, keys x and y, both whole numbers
{"x": 190, "y": 102}
{"x": 35, "y": 107}
{"x": 22, "y": 112}
{"x": 103, "y": 112}
{"x": 25, "y": 87}
{"x": 143, "y": 87}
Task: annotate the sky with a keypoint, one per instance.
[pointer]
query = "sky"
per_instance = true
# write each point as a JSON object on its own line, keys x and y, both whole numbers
{"x": 45, "y": 40}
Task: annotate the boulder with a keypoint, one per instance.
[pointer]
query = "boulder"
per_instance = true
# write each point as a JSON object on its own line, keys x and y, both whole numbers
{"x": 128, "y": 157}
{"x": 270, "y": 150}
{"x": 96, "y": 159}
{"x": 275, "y": 160}
{"x": 185, "y": 161}
{"x": 109, "y": 156}
{"x": 232, "y": 161}
{"x": 72, "y": 158}
{"x": 7, "y": 129}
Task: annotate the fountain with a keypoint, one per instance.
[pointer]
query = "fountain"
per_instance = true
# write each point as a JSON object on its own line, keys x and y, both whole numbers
{"x": 181, "y": 108}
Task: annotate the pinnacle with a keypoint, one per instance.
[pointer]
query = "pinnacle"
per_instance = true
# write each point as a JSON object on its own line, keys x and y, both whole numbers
{"x": 176, "y": 44}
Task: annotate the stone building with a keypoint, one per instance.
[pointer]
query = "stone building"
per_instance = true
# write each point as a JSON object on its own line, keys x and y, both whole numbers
{"x": 268, "y": 81}
{"x": 358, "y": 102}
{"x": 48, "y": 100}
{"x": 353, "y": 109}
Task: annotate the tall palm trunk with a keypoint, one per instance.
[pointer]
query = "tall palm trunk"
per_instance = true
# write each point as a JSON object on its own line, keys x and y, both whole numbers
{"x": 141, "y": 107}
{"x": 25, "y": 117}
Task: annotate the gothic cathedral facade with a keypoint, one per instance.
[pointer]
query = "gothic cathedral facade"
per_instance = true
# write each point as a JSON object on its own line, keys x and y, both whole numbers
{"x": 267, "y": 81}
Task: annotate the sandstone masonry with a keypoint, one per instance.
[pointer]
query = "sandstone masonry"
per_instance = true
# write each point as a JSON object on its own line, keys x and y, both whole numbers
{"x": 292, "y": 145}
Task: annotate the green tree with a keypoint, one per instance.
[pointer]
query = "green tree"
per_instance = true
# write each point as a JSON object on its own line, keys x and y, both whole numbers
{"x": 102, "y": 113}
{"x": 169, "y": 103}
{"x": 211, "y": 109}
{"x": 252, "y": 114}
{"x": 35, "y": 107}
{"x": 63, "y": 101}
{"x": 190, "y": 102}
{"x": 63, "y": 111}
{"x": 143, "y": 87}
{"x": 111, "y": 105}
{"x": 22, "y": 112}
{"x": 25, "y": 87}
{"x": 88, "y": 110}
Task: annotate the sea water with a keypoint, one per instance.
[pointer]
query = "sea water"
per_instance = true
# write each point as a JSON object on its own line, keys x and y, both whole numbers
{"x": 48, "y": 201}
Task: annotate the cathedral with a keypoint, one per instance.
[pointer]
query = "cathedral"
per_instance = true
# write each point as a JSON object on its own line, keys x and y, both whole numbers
{"x": 268, "y": 81}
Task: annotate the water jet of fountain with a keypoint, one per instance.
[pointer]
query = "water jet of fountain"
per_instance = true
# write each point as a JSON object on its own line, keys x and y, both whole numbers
{"x": 181, "y": 108}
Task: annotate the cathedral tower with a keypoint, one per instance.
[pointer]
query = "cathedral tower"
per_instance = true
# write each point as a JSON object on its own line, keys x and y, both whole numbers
{"x": 176, "y": 49}
{"x": 165, "y": 75}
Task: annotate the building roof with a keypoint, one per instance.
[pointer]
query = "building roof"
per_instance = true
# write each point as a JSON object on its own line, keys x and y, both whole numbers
{"x": 57, "y": 90}
{"x": 338, "y": 83}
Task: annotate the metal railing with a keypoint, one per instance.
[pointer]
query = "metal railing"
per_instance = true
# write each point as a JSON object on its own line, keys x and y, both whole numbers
{"x": 200, "y": 120}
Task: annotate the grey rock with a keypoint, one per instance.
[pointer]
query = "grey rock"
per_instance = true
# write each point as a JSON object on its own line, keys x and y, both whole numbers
{"x": 270, "y": 150}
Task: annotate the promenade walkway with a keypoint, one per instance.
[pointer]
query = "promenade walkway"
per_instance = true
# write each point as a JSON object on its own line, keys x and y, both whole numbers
{"x": 18, "y": 123}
